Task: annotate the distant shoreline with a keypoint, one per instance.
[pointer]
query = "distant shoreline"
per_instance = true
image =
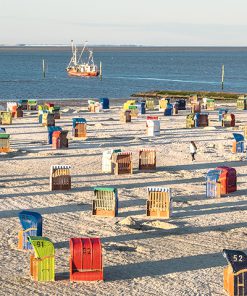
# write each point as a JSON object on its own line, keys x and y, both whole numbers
{"x": 121, "y": 48}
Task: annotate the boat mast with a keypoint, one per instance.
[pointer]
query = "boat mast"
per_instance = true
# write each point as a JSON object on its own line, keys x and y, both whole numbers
{"x": 82, "y": 51}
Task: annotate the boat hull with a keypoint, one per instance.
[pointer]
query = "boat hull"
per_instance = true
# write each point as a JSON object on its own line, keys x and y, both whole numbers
{"x": 83, "y": 74}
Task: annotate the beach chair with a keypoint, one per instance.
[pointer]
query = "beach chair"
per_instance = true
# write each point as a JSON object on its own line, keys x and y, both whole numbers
{"x": 181, "y": 104}
{"x": 245, "y": 131}
{"x": 190, "y": 120}
{"x": 242, "y": 103}
{"x": 56, "y": 111}
{"x": 235, "y": 274}
{"x": 193, "y": 98}
{"x": 168, "y": 111}
{"x": 201, "y": 119}
{"x": 175, "y": 108}
{"x": 105, "y": 202}
{"x": 42, "y": 261}
{"x": 86, "y": 262}
{"x": 2, "y": 130}
{"x": 79, "y": 128}
{"x": 59, "y": 140}
{"x": 228, "y": 120}
{"x": 221, "y": 113}
{"x": 122, "y": 163}
{"x": 31, "y": 105}
{"x": 4, "y": 142}
{"x": 141, "y": 107}
{"x": 125, "y": 116}
{"x": 31, "y": 223}
{"x": 163, "y": 103}
{"x": 159, "y": 202}
{"x": 153, "y": 128}
{"x": 48, "y": 105}
{"x": 107, "y": 166}
{"x": 213, "y": 185}
{"x": 147, "y": 159}
{"x": 23, "y": 104}
{"x": 10, "y": 106}
{"x": 60, "y": 177}
{"x": 133, "y": 111}
{"x": 51, "y": 130}
{"x": 210, "y": 103}
{"x": 104, "y": 103}
{"x": 195, "y": 107}
{"x": 238, "y": 143}
{"x": 48, "y": 119}
{"x": 150, "y": 104}
{"x": 128, "y": 103}
{"x": 6, "y": 117}
{"x": 228, "y": 179}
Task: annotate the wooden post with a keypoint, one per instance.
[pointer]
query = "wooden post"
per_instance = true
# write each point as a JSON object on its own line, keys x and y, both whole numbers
{"x": 43, "y": 68}
{"x": 100, "y": 70}
{"x": 222, "y": 76}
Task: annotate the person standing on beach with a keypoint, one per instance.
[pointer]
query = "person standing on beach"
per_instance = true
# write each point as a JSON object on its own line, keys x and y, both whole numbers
{"x": 193, "y": 149}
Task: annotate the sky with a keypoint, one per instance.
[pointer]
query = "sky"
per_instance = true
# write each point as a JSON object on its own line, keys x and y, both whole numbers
{"x": 124, "y": 22}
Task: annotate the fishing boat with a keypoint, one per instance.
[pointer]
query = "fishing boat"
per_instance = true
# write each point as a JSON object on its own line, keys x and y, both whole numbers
{"x": 78, "y": 67}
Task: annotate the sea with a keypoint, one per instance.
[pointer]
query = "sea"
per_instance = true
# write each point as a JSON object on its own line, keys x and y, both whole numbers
{"x": 126, "y": 70}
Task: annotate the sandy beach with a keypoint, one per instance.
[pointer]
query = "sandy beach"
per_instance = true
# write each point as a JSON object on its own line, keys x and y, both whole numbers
{"x": 142, "y": 256}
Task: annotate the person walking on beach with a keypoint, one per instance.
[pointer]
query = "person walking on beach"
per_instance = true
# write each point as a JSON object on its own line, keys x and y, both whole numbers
{"x": 193, "y": 149}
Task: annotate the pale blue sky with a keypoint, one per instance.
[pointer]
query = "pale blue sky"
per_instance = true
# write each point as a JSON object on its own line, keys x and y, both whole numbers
{"x": 141, "y": 22}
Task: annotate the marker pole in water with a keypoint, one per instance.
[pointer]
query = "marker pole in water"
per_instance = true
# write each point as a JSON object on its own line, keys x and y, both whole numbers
{"x": 100, "y": 70}
{"x": 222, "y": 76}
{"x": 43, "y": 67}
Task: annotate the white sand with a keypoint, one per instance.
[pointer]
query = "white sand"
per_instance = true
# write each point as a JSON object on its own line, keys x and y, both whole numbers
{"x": 181, "y": 256}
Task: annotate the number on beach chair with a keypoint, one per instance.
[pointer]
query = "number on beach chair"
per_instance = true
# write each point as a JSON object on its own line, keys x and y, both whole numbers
{"x": 235, "y": 274}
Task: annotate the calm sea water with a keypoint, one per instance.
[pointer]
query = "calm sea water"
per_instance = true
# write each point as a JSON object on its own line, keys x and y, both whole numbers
{"x": 124, "y": 73}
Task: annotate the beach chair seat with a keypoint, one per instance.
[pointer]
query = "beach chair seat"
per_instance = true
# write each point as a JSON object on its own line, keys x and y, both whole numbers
{"x": 60, "y": 177}
{"x": 147, "y": 159}
{"x": 42, "y": 261}
{"x": 31, "y": 223}
{"x": 86, "y": 259}
{"x": 105, "y": 202}
{"x": 235, "y": 274}
{"x": 122, "y": 163}
{"x": 159, "y": 202}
